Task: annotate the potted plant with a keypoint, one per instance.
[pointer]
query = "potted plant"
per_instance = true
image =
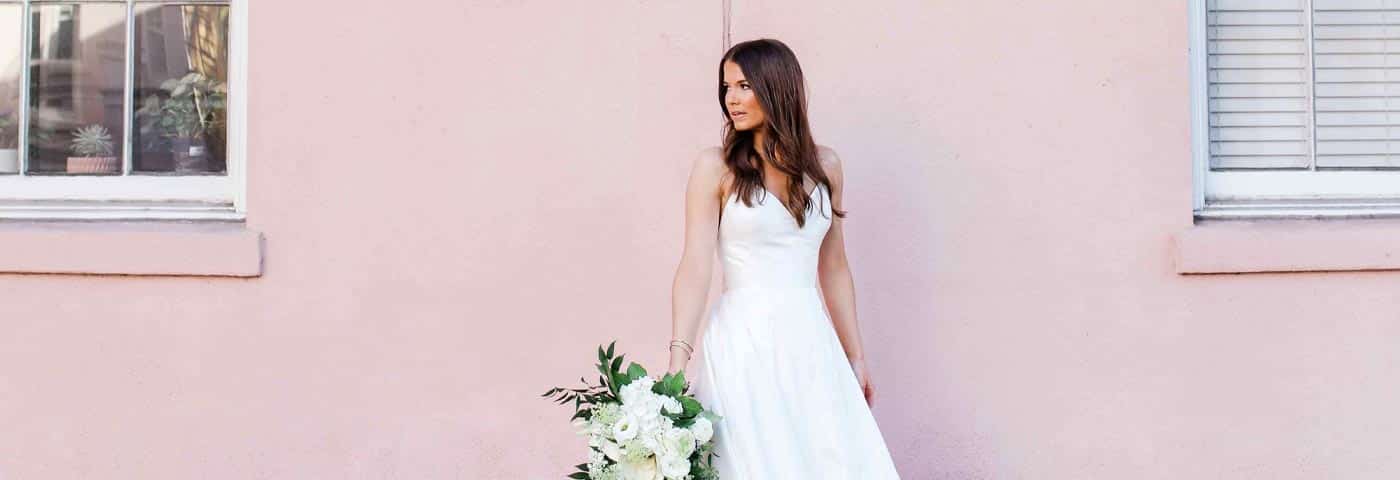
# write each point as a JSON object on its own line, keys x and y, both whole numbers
{"x": 93, "y": 146}
{"x": 193, "y": 106}
{"x": 9, "y": 144}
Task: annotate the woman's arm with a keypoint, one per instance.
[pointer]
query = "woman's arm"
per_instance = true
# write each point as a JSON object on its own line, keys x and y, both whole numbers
{"x": 834, "y": 273}
{"x": 691, "y": 287}
{"x": 838, "y": 289}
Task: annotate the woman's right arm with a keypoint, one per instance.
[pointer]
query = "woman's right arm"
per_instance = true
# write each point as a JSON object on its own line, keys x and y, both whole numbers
{"x": 691, "y": 287}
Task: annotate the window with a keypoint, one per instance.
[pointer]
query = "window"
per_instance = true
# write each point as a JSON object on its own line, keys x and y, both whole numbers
{"x": 122, "y": 109}
{"x": 1296, "y": 107}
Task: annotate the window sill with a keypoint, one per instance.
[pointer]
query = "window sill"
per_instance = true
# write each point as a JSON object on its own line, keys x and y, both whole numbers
{"x": 1242, "y": 246}
{"x": 217, "y": 249}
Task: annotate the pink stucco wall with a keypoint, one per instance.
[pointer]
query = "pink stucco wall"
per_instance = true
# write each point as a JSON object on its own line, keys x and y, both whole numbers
{"x": 460, "y": 200}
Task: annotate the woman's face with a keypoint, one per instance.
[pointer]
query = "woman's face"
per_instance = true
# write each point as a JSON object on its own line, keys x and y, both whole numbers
{"x": 739, "y": 99}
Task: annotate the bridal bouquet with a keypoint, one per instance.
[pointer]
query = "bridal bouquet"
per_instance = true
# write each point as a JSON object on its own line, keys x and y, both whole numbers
{"x": 639, "y": 427}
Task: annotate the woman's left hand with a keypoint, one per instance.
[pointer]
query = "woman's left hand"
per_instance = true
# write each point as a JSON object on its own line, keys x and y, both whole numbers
{"x": 863, "y": 377}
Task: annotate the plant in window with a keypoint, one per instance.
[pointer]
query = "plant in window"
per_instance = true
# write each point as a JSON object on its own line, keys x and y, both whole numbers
{"x": 187, "y": 110}
{"x": 93, "y": 148}
{"x": 9, "y": 144}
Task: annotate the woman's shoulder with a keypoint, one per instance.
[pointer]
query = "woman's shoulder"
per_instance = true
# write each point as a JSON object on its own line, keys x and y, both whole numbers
{"x": 828, "y": 156}
{"x": 709, "y": 166}
{"x": 710, "y": 159}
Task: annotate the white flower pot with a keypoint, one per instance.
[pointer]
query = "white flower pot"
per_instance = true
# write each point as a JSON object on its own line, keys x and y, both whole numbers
{"x": 9, "y": 160}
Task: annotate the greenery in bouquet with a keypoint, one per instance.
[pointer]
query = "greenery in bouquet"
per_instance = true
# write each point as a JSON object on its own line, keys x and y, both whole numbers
{"x": 640, "y": 427}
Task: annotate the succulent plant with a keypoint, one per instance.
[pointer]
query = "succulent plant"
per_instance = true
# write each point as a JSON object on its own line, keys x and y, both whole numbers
{"x": 92, "y": 141}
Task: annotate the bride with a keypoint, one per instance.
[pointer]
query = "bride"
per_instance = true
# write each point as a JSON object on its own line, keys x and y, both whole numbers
{"x": 788, "y": 378}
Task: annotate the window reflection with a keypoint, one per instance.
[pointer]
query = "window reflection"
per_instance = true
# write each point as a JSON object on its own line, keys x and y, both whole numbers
{"x": 76, "y": 68}
{"x": 11, "y": 36}
{"x": 181, "y": 89}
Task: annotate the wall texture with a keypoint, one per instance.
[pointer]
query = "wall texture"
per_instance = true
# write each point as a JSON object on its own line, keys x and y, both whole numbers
{"x": 462, "y": 199}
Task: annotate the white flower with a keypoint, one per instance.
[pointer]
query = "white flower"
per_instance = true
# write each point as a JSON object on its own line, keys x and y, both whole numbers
{"x": 606, "y": 473}
{"x": 643, "y": 469}
{"x": 675, "y": 468}
{"x": 702, "y": 429}
{"x": 612, "y": 450}
{"x": 634, "y": 451}
{"x": 596, "y": 462}
{"x": 680, "y": 441}
{"x": 671, "y": 405}
{"x": 626, "y": 428}
{"x": 607, "y": 414}
{"x": 639, "y": 391}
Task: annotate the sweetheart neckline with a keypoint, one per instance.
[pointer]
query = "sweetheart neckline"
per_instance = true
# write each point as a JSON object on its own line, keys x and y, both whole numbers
{"x": 735, "y": 195}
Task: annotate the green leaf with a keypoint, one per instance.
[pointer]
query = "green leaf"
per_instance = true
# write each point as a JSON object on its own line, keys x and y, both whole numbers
{"x": 610, "y": 348}
{"x": 579, "y": 475}
{"x": 690, "y": 406}
{"x": 635, "y": 371}
{"x": 675, "y": 385}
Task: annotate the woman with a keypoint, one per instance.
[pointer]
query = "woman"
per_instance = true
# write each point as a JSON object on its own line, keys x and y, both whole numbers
{"x": 792, "y": 390}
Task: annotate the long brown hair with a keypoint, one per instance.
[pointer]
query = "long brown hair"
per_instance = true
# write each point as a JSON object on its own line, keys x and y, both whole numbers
{"x": 776, "y": 79}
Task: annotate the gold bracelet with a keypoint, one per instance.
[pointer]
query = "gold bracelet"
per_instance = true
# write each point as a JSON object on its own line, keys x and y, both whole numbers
{"x": 689, "y": 351}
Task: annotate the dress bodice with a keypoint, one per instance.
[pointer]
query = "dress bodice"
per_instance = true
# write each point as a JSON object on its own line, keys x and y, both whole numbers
{"x": 762, "y": 246}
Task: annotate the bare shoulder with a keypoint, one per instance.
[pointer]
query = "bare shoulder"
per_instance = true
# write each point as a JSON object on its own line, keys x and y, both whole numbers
{"x": 710, "y": 162}
{"x": 710, "y": 155}
{"x": 709, "y": 169}
{"x": 830, "y": 161}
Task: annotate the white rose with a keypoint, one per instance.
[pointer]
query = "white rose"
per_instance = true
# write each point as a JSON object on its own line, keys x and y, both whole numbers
{"x": 637, "y": 390}
{"x": 643, "y": 469}
{"x": 702, "y": 429}
{"x": 642, "y": 405}
{"x": 671, "y": 405}
{"x": 675, "y": 468}
{"x": 681, "y": 441}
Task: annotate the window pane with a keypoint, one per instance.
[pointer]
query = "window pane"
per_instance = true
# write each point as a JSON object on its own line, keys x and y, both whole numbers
{"x": 181, "y": 87}
{"x": 76, "y": 67}
{"x": 11, "y": 61}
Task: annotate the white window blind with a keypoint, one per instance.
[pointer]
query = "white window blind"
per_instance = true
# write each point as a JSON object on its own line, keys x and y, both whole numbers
{"x": 1357, "y": 74}
{"x": 1303, "y": 84}
{"x": 1260, "y": 84}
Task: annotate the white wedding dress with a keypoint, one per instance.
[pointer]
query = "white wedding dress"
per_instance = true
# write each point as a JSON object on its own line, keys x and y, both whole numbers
{"x": 773, "y": 366}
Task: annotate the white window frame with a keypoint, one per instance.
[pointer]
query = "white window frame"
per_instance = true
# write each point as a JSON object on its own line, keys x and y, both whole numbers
{"x": 137, "y": 196}
{"x": 1273, "y": 194}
